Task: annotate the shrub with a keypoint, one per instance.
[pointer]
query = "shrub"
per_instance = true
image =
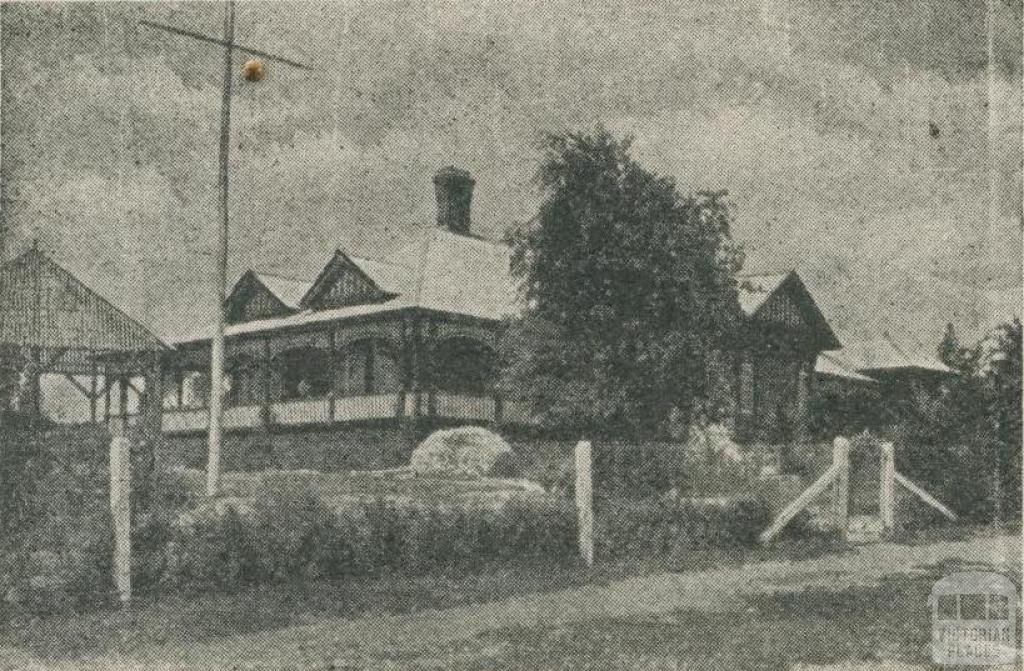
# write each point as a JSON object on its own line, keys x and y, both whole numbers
{"x": 636, "y": 470}
{"x": 660, "y": 526}
{"x": 640, "y": 471}
{"x": 958, "y": 475}
{"x": 556, "y": 474}
{"x": 56, "y": 545}
{"x": 292, "y": 535}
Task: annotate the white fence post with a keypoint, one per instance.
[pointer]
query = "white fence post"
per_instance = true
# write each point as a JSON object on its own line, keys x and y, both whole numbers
{"x": 120, "y": 509}
{"x": 585, "y": 501}
{"x": 887, "y": 493}
{"x": 841, "y": 487}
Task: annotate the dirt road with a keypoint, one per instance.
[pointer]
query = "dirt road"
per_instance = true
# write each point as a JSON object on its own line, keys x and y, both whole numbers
{"x": 471, "y": 636}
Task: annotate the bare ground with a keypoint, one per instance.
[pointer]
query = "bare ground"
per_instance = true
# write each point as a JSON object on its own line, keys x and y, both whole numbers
{"x": 860, "y": 609}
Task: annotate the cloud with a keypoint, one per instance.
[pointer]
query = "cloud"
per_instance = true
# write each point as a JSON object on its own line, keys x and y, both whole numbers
{"x": 818, "y": 119}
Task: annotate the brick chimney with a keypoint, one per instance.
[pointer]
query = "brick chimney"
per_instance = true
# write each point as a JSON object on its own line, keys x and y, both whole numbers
{"x": 454, "y": 189}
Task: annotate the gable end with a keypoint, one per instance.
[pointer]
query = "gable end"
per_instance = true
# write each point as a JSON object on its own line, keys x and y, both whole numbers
{"x": 342, "y": 283}
{"x": 251, "y": 300}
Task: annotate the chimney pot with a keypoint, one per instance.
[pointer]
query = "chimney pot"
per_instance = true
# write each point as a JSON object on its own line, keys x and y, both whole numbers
{"x": 454, "y": 190}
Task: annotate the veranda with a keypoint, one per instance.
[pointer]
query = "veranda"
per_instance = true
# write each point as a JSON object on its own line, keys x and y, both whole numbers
{"x": 409, "y": 363}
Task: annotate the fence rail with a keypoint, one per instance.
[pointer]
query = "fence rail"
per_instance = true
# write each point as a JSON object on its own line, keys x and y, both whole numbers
{"x": 458, "y": 406}
{"x": 183, "y": 421}
{"x": 447, "y": 405}
{"x": 316, "y": 411}
{"x": 376, "y": 406}
{"x": 241, "y": 417}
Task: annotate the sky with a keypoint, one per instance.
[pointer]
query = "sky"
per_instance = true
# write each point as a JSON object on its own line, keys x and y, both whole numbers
{"x": 852, "y": 137}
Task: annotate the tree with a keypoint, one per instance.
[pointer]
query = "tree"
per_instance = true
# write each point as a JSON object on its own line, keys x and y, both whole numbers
{"x": 629, "y": 288}
{"x": 965, "y": 439}
{"x": 951, "y": 352}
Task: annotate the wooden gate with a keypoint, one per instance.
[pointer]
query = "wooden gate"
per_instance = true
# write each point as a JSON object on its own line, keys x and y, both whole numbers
{"x": 870, "y": 522}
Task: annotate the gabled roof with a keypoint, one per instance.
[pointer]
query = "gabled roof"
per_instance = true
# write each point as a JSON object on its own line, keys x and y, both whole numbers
{"x": 884, "y": 354}
{"x": 833, "y": 364}
{"x": 391, "y": 278}
{"x": 439, "y": 270}
{"x": 756, "y": 291}
{"x": 465, "y": 275}
{"x": 382, "y": 279}
{"x": 43, "y": 305}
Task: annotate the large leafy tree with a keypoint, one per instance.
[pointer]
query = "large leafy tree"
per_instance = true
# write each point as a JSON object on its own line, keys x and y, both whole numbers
{"x": 629, "y": 288}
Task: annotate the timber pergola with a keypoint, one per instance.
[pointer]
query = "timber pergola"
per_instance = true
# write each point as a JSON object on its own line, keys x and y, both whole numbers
{"x": 51, "y": 322}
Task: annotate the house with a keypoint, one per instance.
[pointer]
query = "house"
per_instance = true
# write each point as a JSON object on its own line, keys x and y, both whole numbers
{"x": 349, "y": 368}
{"x": 867, "y": 384}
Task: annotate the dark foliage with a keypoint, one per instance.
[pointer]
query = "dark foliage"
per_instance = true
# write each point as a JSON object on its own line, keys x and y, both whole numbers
{"x": 661, "y": 526}
{"x": 963, "y": 443}
{"x": 294, "y": 537}
{"x": 55, "y": 552}
{"x": 630, "y": 287}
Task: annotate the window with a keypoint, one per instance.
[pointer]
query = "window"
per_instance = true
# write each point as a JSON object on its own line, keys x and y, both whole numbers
{"x": 947, "y": 608}
{"x": 972, "y": 606}
{"x": 998, "y": 607}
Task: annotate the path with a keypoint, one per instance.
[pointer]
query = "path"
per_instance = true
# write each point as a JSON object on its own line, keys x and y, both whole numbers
{"x": 411, "y": 636}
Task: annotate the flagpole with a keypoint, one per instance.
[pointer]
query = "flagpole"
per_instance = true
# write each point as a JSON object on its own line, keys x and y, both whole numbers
{"x": 221, "y": 272}
{"x": 216, "y": 419}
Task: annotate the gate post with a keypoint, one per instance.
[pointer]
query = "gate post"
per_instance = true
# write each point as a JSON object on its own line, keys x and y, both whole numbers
{"x": 120, "y": 508}
{"x": 887, "y": 493}
{"x": 585, "y": 501}
{"x": 841, "y": 487}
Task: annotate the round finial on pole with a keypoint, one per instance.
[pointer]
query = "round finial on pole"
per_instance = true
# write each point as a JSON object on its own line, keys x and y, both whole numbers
{"x": 252, "y": 71}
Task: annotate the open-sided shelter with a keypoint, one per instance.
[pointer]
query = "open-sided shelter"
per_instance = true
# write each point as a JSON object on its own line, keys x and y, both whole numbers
{"x": 51, "y": 322}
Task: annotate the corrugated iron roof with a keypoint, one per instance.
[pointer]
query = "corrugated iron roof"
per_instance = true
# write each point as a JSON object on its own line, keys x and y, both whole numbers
{"x": 460, "y": 274}
{"x": 833, "y": 364}
{"x": 44, "y": 305}
{"x": 390, "y": 277}
{"x": 884, "y": 353}
{"x": 301, "y": 319}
